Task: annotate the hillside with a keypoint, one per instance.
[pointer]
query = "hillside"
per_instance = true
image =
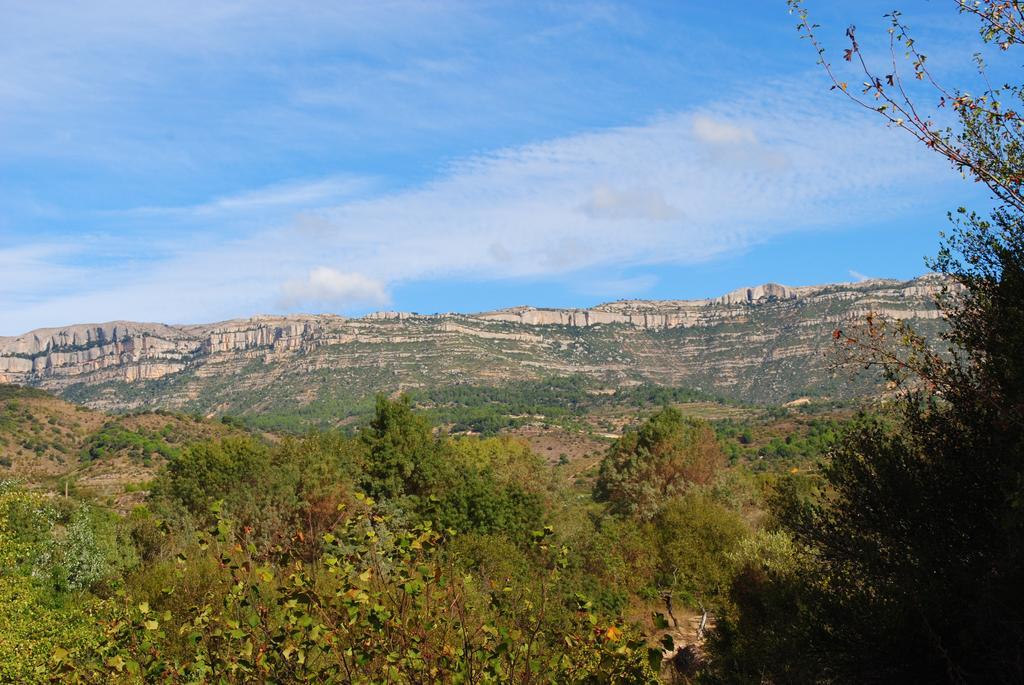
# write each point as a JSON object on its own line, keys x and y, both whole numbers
{"x": 766, "y": 344}
{"x": 49, "y": 442}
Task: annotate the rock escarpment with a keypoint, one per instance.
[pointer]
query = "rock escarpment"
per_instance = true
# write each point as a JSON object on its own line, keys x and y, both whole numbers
{"x": 132, "y": 351}
{"x": 767, "y": 341}
{"x": 762, "y": 293}
{"x": 911, "y": 300}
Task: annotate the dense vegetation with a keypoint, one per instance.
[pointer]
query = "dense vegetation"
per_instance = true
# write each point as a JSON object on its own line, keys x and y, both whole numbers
{"x": 488, "y": 409}
{"x": 397, "y": 553}
{"x": 485, "y": 409}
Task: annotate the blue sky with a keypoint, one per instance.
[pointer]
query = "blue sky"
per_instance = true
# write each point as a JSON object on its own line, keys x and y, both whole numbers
{"x": 191, "y": 162}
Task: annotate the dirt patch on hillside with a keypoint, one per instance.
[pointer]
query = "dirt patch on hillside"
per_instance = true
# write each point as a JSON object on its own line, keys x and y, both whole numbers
{"x": 558, "y": 445}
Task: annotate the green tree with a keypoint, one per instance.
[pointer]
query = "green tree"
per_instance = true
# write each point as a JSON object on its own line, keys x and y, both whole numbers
{"x": 234, "y": 468}
{"x": 92, "y": 550}
{"x": 272, "y": 491}
{"x": 693, "y": 538}
{"x": 402, "y": 453}
{"x": 487, "y": 486}
{"x": 668, "y": 454}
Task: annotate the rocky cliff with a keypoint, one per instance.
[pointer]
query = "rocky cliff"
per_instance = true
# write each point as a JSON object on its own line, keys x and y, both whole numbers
{"x": 766, "y": 342}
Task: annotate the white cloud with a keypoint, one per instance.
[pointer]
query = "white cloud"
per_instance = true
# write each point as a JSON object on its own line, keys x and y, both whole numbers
{"x": 715, "y": 131}
{"x": 607, "y": 202}
{"x": 324, "y": 285}
{"x": 858, "y": 276}
{"x": 35, "y": 268}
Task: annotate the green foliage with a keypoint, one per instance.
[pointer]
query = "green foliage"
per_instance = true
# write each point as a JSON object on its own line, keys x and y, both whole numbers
{"x": 476, "y": 499}
{"x": 478, "y": 485}
{"x": 26, "y": 522}
{"x": 402, "y": 454}
{"x": 464, "y": 484}
{"x": 91, "y": 551}
{"x": 35, "y": 629}
{"x": 69, "y": 548}
{"x": 667, "y": 455}
{"x": 137, "y": 444}
{"x": 16, "y": 392}
{"x": 615, "y": 564}
{"x": 776, "y": 622}
{"x": 802, "y": 443}
{"x": 397, "y": 553}
{"x": 693, "y": 540}
{"x": 49, "y": 557}
{"x": 378, "y": 606}
{"x": 267, "y": 490}
{"x": 232, "y": 468}
{"x": 488, "y": 409}
{"x": 25, "y": 428}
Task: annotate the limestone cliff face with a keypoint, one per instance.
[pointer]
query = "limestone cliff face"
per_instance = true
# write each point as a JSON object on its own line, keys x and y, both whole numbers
{"x": 723, "y": 340}
{"x": 132, "y": 351}
{"x": 884, "y": 297}
{"x": 761, "y": 293}
{"x": 277, "y": 333}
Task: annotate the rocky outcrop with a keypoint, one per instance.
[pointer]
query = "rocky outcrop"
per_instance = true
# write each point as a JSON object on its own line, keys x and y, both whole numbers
{"x": 760, "y": 294}
{"x": 137, "y": 351}
{"x": 664, "y": 314}
{"x": 277, "y": 333}
{"x": 133, "y": 351}
{"x": 722, "y": 339}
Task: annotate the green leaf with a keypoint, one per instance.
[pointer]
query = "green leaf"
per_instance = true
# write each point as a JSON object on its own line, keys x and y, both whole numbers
{"x": 654, "y": 658}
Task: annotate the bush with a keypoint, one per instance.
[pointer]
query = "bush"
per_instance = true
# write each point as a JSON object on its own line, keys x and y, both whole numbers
{"x": 380, "y": 605}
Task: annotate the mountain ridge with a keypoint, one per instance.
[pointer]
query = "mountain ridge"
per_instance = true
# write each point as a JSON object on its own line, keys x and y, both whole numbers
{"x": 716, "y": 343}
{"x": 742, "y": 295}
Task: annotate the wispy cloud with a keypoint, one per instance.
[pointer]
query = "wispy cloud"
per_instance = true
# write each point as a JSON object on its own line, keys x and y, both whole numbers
{"x": 858, "y": 276}
{"x": 607, "y": 202}
{"x": 240, "y": 156}
{"x": 631, "y": 286}
{"x": 290, "y": 195}
{"x": 717, "y": 131}
{"x": 26, "y": 271}
{"x": 656, "y": 193}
